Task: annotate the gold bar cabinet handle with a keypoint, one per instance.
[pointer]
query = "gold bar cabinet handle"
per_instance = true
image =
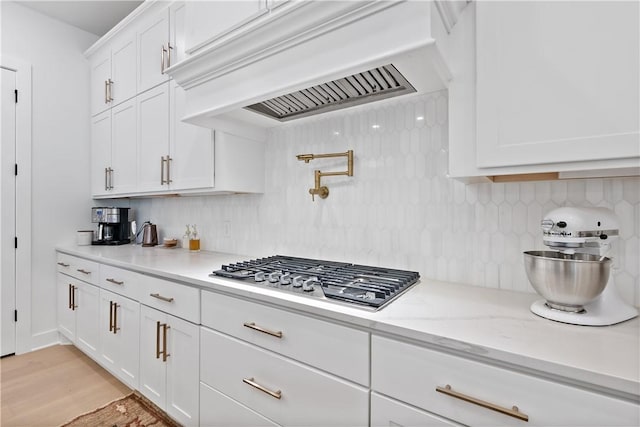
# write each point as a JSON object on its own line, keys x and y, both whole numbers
{"x": 160, "y": 297}
{"x": 83, "y": 271}
{"x": 158, "y": 339}
{"x": 70, "y": 300}
{"x": 106, "y": 91}
{"x": 63, "y": 264}
{"x": 115, "y": 318}
{"x": 162, "y": 170}
{"x": 164, "y": 342}
{"x": 106, "y": 179}
{"x": 169, "y": 49}
{"x": 110, "y": 316}
{"x": 251, "y": 325}
{"x": 114, "y": 281}
{"x": 250, "y": 381}
{"x": 169, "y": 159}
{"x": 162, "y": 52}
{"x": 512, "y": 412}
{"x": 73, "y": 297}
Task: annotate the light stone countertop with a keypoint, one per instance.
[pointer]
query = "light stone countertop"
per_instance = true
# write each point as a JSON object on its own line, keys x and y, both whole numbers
{"x": 488, "y": 325}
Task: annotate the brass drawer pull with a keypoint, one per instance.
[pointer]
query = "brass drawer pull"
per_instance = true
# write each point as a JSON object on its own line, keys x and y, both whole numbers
{"x": 255, "y": 327}
{"x": 513, "y": 412}
{"x": 114, "y": 281}
{"x": 162, "y": 352}
{"x": 63, "y": 264}
{"x": 277, "y": 394}
{"x": 83, "y": 271}
{"x": 167, "y": 299}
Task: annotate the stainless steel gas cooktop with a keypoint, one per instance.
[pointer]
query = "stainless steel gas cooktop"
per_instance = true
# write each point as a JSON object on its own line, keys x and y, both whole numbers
{"x": 359, "y": 285}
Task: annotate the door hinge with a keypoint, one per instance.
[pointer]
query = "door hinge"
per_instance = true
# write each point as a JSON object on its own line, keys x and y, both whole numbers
{"x": 16, "y": 170}
{"x": 16, "y": 92}
{"x": 15, "y": 315}
{"x": 16, "y": 242}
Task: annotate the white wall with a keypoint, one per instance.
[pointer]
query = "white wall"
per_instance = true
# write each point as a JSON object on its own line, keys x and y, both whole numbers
{"x": 60, "y": 144}
{"x": 400, "y": 209}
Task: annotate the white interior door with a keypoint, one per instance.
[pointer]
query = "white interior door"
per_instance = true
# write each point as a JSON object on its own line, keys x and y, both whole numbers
{"x": 8, "y": 212}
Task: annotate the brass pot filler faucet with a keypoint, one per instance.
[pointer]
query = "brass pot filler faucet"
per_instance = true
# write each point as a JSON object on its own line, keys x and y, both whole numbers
{"x": 323, "y": 191}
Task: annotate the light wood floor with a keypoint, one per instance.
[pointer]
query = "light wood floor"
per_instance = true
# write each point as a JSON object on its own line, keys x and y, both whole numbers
{"x": 51, "y": 386}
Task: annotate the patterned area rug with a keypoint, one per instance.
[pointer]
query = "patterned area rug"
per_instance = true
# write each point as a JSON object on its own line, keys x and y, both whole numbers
{"x": 130, "y": 411}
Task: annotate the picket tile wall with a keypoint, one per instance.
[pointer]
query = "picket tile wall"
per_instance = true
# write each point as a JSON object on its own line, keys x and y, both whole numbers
{"x": 399, "y": 209}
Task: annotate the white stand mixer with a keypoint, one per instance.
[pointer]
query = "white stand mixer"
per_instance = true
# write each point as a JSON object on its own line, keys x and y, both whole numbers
{"x": 573, "y": 232}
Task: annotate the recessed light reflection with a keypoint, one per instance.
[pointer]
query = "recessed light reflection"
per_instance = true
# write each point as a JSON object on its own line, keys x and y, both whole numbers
{"x": 375, "y": 127}
{"x": 420, "y": 118}
{"x": 336, "y": 133}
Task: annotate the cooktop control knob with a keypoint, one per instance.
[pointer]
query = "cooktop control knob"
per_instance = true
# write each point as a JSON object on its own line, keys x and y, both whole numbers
{"x": 307, "y": 285}
{"x": 285, "y": 279}
{"x": 297, "y": 281}
{"x": 259, "y": 276}
{"x": 274, "y": 277}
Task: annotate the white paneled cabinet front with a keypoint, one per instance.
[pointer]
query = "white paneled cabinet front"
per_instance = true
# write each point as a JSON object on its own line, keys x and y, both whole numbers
{"x": 387, "y": 412}
{"x": 113, "y": 73}
{"x": 280, "y": 389}
{"x": 169, "y": 364}
{"x": 448, "y": 385}
{"x": 114, "y": 150}
{"x": 154, "y": 49}
{"x": 119, "y": 336}
{"x": 153, "y": 137}
{"x": 547, "y": 93}
{"x": 66, "y": 310}
{"x": 78, "y": 313}
{"x": 218, "y": 410}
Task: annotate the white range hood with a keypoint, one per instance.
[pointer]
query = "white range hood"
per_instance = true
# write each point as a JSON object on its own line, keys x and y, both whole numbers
{"x": 308, "y": 53}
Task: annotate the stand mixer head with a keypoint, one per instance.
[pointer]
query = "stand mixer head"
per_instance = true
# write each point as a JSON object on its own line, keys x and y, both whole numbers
{"x": 573, "y": 278}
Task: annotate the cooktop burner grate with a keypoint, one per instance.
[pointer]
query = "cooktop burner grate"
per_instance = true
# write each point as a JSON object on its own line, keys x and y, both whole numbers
{"x": 364, "y": 286}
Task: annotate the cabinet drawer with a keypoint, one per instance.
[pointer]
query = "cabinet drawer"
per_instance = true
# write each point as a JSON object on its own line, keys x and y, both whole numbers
{"x": 123, "y": 282}
{"x": 411, "y": 374}
{"x": 79, "y": 268}
{"x": 293, "y": 394}
{"x": 171, "y": 297}
{"x": 305, "y": 339}
{"x": 387, "y": 412}
{"x": 218, "y": 410}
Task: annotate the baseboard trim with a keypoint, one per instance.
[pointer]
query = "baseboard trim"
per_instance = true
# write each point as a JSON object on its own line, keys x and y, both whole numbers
{"x": 45, "y": 339}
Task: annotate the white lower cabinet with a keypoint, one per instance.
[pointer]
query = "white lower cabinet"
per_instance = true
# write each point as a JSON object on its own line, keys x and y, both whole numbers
{"x": 78, "y": 313}
{"x": 387, "y": 412}
{"x": 169, "y": 364}
{"x": 218, "y": 410}
{"x": 449, "y": 385}
{"x": 119, "y": 336}
{"x": 280, "y": 389}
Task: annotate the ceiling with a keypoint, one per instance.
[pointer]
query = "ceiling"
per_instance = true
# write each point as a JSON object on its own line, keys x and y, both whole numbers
{"x": 96, "y": 17}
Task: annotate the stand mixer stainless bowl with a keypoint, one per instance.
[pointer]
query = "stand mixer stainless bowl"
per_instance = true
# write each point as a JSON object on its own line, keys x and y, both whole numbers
{"x": 573, "y": 279}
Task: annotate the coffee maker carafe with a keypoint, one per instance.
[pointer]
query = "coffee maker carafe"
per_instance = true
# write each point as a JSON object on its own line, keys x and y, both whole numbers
{"x": 113, "y": 225}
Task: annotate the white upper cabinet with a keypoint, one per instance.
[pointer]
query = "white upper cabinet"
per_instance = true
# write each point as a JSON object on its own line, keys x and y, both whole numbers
{"x": 155, "y": 50}
{"x": 211, "y": 20}
{"x": 555, "y": 90}
{"x": 113, "y": 73}
{"x": 557, "y": 82}
{"x": 153, "y": 137}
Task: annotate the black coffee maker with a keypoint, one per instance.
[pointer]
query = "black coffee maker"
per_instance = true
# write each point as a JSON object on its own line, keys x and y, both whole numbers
{"x": 114, "y": 226}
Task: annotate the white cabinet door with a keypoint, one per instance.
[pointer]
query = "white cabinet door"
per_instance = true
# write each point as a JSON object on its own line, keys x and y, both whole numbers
{"x": 66, "y": 312}
{"x": 177, "y": 31}
{"x": 210, "y": 20}
{"x": 87, "y": 318}
{"x": 123, "y": 67}
{"x": 548, "y": 92}
{"x": 100, "y": 153}
{"x": 183, "y": 371}
{"x": 169, "y": 364}
{"x": 386, "y": 412}
{"x": 153, "y": 372}
{"x": 119, "y": 333}
{"x": 124, "y": 147}
{"x": 153, "y": 134}
{"x": 100, "y": 75}
{"x": 154, "y": 55}
{"x": 191, "y": 148}
{"x": 218, "y": 410}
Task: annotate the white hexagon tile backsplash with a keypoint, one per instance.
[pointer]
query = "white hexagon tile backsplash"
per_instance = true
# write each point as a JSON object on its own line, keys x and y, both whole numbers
{"x": 399, "y": 209}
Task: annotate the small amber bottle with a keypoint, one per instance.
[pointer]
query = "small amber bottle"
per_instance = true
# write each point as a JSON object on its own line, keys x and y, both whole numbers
{"x": 194, "y": 240}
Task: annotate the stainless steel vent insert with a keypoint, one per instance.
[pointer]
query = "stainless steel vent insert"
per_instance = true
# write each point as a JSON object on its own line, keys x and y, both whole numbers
{"x": 371, "y": 85}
